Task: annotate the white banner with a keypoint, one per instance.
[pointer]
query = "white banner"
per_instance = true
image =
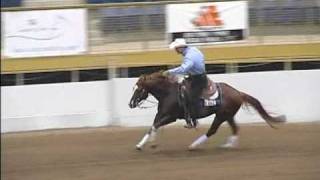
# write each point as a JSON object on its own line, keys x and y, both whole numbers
{"x": 208, "y": 22}
{"x": 44, "y": 33}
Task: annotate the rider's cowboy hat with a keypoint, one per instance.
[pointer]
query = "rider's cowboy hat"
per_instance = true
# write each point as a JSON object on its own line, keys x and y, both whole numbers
{"x": 179, "y": 42}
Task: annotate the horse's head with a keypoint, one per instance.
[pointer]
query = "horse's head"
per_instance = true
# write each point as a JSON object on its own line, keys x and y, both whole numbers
{"x": 140, "y": 92}
{"x": 153, "y": 83}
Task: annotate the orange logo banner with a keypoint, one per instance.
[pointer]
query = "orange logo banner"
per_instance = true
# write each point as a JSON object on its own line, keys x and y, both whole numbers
{"x": 209, "y": 16}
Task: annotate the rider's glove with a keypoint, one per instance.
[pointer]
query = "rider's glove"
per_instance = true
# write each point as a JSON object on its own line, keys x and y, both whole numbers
{"x": 165, "y": 73}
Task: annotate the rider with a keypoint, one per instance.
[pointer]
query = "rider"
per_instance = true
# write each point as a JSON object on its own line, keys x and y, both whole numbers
{"x": 193, "y": 65}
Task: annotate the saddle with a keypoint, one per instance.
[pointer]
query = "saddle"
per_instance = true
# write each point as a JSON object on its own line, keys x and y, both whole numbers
{"x": 211, "y": 91}
{"x": 211, "y": 95}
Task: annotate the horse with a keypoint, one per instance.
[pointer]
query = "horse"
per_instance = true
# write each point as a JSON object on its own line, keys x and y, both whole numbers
{"x": 167, "y": 93}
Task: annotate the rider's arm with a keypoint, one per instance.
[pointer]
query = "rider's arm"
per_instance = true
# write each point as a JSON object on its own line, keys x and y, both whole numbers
{"x": 183, "y": 68}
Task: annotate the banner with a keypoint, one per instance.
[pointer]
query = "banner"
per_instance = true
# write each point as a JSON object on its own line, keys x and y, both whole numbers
{"x": 201, "y": 23}
{"x": 44, "y": 32}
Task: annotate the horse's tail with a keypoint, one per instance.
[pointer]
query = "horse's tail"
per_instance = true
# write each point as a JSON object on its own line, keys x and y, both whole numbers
{"x": 255, "y": 103}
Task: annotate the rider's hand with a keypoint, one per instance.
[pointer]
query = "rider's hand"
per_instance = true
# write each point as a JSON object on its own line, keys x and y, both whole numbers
{"x": 165, "y": 73}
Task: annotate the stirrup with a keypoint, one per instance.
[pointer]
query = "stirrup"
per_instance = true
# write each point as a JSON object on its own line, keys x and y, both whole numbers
{"x": 191, "y": 124}
{"x": 195, "y": 123}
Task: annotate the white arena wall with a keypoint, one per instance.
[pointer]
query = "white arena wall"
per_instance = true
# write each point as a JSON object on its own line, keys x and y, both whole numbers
{"x": 102, "y": 103}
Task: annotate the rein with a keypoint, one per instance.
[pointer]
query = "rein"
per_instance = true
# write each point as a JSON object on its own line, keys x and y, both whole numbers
{"x": 146, "y": 100}
{"x": 153, "y": 103}
{"x": 146, "y": 107}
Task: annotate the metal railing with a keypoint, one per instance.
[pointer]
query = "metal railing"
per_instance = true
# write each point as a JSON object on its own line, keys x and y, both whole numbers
{"x": 144, "y": 26}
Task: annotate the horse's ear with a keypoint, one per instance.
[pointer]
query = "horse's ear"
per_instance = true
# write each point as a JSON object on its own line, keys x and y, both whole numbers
{"x": 142, "y": 77}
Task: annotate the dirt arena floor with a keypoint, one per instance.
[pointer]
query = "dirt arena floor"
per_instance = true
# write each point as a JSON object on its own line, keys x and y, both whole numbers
{"x": 289, "y": 153}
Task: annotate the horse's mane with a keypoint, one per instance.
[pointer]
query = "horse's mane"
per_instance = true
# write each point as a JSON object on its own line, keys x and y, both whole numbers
{"x": 157, "y": 78}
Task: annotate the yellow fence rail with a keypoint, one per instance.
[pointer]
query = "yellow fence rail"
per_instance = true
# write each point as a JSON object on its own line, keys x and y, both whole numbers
{"x": 219, "y": 55}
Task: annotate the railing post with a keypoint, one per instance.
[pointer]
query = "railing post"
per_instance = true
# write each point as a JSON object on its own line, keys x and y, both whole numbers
{"x": 231, "y": 68}
{"x": 287, "y": 66}
{"x": 112, "y": 74}
{"x": 75, "y": 76}
{"x": 20, "y": 79}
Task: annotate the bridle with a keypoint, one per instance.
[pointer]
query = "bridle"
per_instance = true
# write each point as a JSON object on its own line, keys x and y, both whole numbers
{"x": 139, "y": 105}
{"x": 146, "y": 107}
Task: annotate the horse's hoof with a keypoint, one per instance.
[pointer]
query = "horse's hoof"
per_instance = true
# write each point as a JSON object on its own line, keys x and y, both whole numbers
{"x": 191, "y": 148}
{"x": 138, "y": 148}
{"x": 228, "y": 146}
{"x": 154, "y": 146}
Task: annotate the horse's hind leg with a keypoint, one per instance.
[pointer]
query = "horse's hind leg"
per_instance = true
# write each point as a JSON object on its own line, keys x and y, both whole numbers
{"x": 218, "y": 120}
{"x": 233, "y": 125}
{"x": 233, "y": 140}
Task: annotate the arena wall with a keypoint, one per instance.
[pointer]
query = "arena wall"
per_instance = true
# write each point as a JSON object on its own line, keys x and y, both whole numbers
{"x": 104, "y": 103}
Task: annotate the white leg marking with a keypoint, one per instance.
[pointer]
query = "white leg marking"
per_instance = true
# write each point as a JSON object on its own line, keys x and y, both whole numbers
{"x": 153, "y": 134}
{"x": 143, "y": 141}
{"x": 199, "y": 141}
{"x": 232, "y": 142}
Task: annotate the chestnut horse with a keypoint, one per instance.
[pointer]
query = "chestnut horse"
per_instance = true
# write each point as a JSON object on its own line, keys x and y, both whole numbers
{"x": 170, "y": 109}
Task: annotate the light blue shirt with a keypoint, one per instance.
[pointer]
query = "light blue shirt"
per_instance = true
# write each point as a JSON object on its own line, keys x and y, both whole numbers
{"x": 193, "y": 63}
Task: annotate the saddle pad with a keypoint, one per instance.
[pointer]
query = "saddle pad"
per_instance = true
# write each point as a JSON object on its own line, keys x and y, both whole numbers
{"x": 212, "y": 101}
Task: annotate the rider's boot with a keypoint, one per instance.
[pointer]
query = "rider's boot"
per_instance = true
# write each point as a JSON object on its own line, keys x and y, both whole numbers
{"x": 187, "y": 107}
{"x": 187, "y": 115}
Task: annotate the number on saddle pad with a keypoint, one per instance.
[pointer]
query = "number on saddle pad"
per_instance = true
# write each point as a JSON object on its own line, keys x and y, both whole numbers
{"x": 209, "y": 102}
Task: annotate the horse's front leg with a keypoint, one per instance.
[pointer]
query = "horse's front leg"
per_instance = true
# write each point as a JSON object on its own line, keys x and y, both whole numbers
{"x": 151, "y": 135}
